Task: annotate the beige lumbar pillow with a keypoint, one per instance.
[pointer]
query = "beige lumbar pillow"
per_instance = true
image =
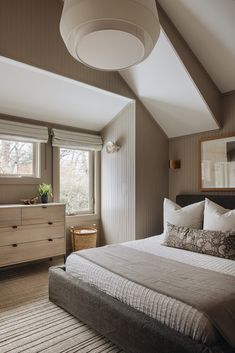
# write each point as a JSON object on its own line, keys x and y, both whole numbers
{"x": 210, "y": 242}
{"x": 189, "y": 216}
{"x": 218, "y": 218}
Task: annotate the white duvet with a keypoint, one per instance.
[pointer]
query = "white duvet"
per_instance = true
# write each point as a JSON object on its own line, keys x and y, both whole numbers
{"x": 173, "y": 313}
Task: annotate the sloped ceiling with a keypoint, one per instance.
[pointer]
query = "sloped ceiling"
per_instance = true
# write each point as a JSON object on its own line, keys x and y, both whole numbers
{"x": 161, "y": 82}
{"x": 29, "y": 92}
{"x": 208, "y": 26}
{"x": 168, "y": 92}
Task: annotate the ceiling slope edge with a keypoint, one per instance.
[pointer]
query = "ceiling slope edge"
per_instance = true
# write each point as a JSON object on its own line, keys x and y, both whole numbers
{"x": 200, "y": 77}
{"x": 138, "y": 101}
{"x": 120, "y": 113}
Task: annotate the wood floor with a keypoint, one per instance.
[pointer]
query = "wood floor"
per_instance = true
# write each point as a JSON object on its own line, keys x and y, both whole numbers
{"x": 25, "y": 284}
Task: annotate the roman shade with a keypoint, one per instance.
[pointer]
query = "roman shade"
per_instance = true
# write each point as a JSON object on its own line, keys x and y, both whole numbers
{"x": 16, "y": 130}
{"x": 69, "y": 139}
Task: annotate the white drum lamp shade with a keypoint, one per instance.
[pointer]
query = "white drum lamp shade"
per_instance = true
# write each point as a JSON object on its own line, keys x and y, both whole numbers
{"x": 110, "y": 34}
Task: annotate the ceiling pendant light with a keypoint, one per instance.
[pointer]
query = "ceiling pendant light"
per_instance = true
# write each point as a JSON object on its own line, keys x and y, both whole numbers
{"x": 110, "y": 34}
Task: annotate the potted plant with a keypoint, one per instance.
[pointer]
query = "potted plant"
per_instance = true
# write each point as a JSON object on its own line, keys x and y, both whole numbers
{"x": 45, "y": 190}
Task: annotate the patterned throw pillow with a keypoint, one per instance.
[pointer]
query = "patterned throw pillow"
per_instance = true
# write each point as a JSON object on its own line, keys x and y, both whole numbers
{"x": 215, "y": 243}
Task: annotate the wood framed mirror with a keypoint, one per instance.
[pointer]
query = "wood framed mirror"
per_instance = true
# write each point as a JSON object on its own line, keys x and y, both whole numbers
{"x": 217, "y": 163}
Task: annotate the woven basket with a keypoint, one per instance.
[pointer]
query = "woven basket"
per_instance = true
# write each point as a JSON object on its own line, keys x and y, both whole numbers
{"x": 83, "y": 237}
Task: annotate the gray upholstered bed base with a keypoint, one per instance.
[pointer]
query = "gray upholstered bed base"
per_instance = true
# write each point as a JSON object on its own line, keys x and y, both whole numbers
{"x": 128, "y": 328}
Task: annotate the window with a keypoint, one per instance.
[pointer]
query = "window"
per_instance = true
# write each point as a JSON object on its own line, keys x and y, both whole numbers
{"x": 19, "y": 158}
{"x": 76, "y": 180}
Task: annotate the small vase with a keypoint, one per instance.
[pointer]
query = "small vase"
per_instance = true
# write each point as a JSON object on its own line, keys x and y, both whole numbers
{"x": 44, "y": 198}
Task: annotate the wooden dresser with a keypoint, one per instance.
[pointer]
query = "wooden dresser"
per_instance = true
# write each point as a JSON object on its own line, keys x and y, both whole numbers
{"x": 32, "y": 232}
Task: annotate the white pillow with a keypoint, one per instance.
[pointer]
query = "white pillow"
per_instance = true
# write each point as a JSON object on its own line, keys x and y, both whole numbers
{"x": 218, "y": 218}
{"x": 190, "y": 216}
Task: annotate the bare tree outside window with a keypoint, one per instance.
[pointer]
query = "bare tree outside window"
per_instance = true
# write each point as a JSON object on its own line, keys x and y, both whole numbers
{"x": 16, "y": 158}
{"x": 75, "y": 180}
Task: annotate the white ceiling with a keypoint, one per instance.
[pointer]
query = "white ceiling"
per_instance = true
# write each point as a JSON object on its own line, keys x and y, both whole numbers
{"x": 161, "y": 82}
{"x": 208, "y": 26}
{"x": 168, "y": 92}
{"x": 29, "y": 92}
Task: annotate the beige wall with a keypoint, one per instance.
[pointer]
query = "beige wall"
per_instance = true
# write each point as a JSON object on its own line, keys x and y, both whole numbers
{"x": 134, "y": 181}
{"x": 16, "y": 189}
{"x": 29, "y": 32}
{"x": 185, "y": 179}
{"x": 151, "y": 175}
{"x": 19, "y": 189}
{"x": 205, "y": 85}
{"x": 118, "y": 179}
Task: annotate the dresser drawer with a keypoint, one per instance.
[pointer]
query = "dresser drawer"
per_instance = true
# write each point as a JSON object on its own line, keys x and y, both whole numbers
{"x": 31, "y": 233}
{"x": 10, "y": 216}
{"x": 42, "y": 214}
{"x": 10, "y": 255}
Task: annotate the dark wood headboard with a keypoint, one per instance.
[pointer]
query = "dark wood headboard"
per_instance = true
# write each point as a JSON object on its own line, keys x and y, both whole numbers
{"x": 226, "y": 201}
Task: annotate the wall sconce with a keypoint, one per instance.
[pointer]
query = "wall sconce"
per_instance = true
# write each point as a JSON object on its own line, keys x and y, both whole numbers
{"x": 112, "y": 147}
{"x": 174, "y": 164}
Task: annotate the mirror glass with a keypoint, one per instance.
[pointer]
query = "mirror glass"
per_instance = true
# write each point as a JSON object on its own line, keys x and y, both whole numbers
{"x": 218, "y": 163}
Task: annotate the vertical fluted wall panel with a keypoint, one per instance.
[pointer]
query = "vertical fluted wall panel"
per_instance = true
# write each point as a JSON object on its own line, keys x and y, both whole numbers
{"x": 118, "y": 179}
{"x": 29, "y": 32}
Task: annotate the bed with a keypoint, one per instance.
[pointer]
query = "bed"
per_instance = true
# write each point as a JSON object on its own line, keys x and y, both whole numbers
{"x": 137, "y": 317}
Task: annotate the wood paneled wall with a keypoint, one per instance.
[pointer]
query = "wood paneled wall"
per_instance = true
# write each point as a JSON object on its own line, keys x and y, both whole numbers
{"x": 185, "y": 179}
{"x": 151, "y": 176}
{"x": 118, "y": 179}
{"x": 29, "y": 32}
{"x": 134, "y": 181}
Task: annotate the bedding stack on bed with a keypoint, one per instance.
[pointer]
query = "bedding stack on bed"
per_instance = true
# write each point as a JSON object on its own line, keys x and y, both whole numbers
{"x": 183, "y": 279}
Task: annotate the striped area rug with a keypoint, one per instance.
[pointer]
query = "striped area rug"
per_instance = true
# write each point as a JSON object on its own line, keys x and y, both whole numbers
{"x": 29, "y": 323}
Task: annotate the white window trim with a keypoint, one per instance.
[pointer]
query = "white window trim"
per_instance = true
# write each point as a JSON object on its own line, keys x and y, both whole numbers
{"x": 43, "y": 151}
{"x": 91, "y": 184}
{"x": 86, "y": 215}
{"x": 36, "y": 162}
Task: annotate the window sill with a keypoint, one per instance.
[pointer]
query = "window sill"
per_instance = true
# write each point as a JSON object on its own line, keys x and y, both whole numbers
{"x": 21, "y": 180}
{"x": 82, "y": 217}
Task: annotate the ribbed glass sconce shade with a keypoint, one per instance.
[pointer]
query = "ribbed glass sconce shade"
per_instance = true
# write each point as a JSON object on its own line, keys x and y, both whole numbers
{"x": 110, "y": 34}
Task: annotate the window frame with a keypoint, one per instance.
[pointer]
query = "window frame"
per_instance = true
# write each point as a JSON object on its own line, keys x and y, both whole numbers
{"x": 92, "y": 174}
{"x": 36, "y": 161}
